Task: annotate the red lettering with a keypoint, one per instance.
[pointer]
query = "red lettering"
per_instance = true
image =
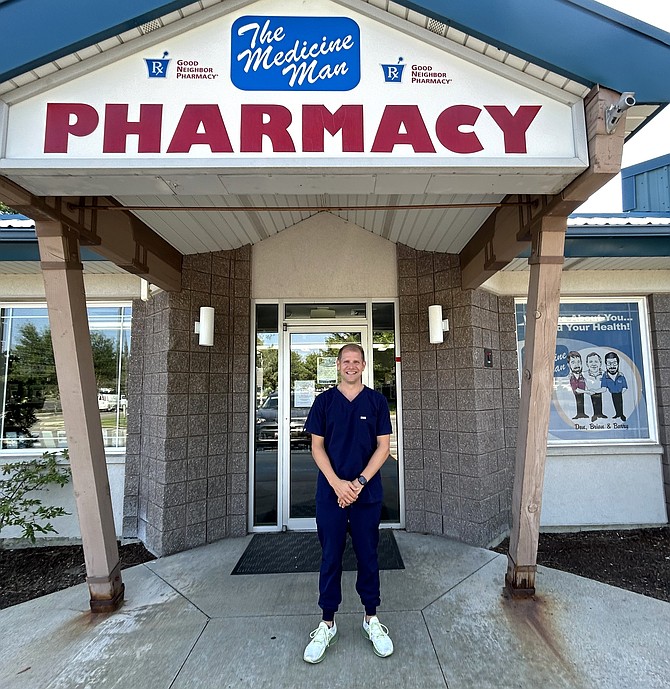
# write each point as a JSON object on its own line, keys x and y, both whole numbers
{"x": 58, "y": 126}
{"x": 448, "y": 129}
{"x": 388, "y": 133}
{"x": 514, "y": 127}
{"x": 317, "y": 118}
{"x": 117, "y": 128}
{"x": 214, "y": 135}
{"x": 253, "y": 127}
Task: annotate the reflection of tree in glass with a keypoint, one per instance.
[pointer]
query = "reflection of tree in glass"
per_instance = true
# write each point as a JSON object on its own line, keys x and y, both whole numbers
{"x": 31, "y": 376}
{"x": 32, "y": 361}
{"x": 268, "y": 361}
{"x": 105, "y": 360}
{"x": 384, "y": 365}
{"x": 125, "y": 356}
{"x": 32, "y": 364}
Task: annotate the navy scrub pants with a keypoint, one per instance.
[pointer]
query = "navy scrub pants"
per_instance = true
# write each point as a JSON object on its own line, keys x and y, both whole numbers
{"x": 361, "y": 520}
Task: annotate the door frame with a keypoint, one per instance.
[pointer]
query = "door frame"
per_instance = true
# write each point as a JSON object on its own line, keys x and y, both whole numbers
{"x": 281, "y": 304}
{"x": 284, "y": 450}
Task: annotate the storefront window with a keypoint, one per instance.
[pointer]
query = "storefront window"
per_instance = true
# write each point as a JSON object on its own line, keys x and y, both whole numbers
{"x": 32, "y": 416}
{"x": 602, "y": 382}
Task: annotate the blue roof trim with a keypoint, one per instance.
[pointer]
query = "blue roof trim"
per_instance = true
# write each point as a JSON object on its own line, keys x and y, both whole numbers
{"x": 13, "y": 216}
{"x": 570, "y": 37}
{"x": 628, "y": 193}
{"x": 637, "y": 214}
{"x": 613, "y": 247}
{"x": 44, "y": 30}
{"x": 22, "y": 250}
{"x": 646, "y": 166}
{"x": 20, "y": 244}
{"x": 582, "y": 40}
{"x": 617, "y": 247}
{"x": 616, "y": 241}
{"x": 629, "y": 184}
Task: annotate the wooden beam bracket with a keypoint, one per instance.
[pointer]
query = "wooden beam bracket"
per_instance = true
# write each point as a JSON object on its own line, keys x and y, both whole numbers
{"x": 490, "y": 262}
{"x": 118, "y": 237}
{"x": 558, "y": 260}
{"x": 61, "y": 265}
{"x": 509, "y": 233}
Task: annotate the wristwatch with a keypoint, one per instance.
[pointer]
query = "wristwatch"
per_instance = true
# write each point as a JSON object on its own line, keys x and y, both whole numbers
{"x": 362, "y": 480}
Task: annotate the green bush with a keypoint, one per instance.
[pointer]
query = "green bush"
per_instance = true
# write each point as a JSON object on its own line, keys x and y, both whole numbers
{"x": 23, "y": 478}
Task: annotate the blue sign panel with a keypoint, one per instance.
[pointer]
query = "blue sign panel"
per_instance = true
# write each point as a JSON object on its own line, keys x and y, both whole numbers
{"x": 295, "y": 53}
{"x": 600, "y": 386}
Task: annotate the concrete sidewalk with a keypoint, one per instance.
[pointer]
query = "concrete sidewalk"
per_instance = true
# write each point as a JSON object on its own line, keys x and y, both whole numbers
{"x": 188, "y": 623}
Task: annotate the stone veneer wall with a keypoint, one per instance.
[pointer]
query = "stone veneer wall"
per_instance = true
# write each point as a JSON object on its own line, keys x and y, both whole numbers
{"x": 188, "y": 419}
{"x": 659, "y": 322}
{"x": 459, "y": 418}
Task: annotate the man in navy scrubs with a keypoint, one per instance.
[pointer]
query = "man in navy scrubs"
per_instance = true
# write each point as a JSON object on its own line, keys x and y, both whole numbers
{"x": 351, "y": 429}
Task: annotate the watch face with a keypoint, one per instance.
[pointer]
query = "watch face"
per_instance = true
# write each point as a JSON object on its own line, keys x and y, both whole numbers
{"x": 362, "y": 480}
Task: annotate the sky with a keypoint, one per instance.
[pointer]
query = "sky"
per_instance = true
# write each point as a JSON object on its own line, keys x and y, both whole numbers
{"x": 654, "y": 139}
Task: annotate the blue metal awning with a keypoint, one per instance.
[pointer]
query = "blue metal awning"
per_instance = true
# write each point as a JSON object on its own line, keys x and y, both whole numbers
{"x": 18, "y": 242}
{"x": 616, "y": 235}
{"x": 580, "y": 39}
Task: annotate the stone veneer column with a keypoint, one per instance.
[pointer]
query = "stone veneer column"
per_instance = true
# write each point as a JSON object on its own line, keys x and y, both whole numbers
{"x": 659, "y": 321}
{"x": 459, "y": 418}
{"x": 188, "y": 417}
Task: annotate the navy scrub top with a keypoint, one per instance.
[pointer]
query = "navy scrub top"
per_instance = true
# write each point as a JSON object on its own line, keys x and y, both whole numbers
{"x": 350, "y": 430}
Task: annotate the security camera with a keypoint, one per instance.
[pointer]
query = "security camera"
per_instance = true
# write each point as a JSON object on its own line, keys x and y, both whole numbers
{"x": 613, "y": 112}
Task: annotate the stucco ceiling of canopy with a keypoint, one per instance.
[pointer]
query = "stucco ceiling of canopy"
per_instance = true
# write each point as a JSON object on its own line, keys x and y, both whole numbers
{"x": 297, "y": 195}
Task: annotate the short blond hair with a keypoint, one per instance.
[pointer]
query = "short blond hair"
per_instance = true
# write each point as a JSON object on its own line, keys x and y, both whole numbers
{"x": 351, "y": 345}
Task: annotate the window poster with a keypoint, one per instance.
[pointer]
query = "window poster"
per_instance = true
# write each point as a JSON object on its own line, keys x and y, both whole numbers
{"x": 601, "y": 371}
{"x": 326, "y": 370}
{"x": 304, "y": 392}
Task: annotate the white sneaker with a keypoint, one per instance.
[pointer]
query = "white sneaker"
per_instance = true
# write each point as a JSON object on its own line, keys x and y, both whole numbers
{"x": 322, "y": 637}
{"x": 376, "y": 632}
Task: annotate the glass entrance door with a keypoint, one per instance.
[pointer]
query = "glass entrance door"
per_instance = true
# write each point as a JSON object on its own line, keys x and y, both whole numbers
{"x": 311, "y": 369}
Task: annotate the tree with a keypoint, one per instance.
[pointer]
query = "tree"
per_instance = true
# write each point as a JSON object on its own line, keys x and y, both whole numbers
{"x": 6, "y": 209}
{"x": 18, "y": 504}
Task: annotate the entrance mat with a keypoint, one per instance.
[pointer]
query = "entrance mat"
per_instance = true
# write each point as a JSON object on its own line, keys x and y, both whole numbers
{"x": 296, "y": 551}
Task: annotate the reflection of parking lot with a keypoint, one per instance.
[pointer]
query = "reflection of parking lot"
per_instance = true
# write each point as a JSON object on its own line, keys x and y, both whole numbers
{"x": 48, "y": 431}
{"x": 267, "y": 426}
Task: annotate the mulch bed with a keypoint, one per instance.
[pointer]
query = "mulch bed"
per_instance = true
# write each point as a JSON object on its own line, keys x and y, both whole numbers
{"x": 637, "y": 560}
{"x": 27, "y": 573}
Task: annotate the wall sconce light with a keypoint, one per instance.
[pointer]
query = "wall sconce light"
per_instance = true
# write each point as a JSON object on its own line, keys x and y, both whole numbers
{"x": 205, "y": 326}
{"x": 437, "y": 326}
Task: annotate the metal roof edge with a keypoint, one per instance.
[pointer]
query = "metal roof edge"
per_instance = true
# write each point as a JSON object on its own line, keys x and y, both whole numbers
{"x": 577, "y": 46}
{"x": 83, "y": 28}
{"x": 632, "y": 214}
{"x": 645, "y": 166}
{"x": 588, "y": 42}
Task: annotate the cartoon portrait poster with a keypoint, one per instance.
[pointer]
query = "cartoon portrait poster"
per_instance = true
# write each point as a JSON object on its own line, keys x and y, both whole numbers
{"x": 599, "y": 388}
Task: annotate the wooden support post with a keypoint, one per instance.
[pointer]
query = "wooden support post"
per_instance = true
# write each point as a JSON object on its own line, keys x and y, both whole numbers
{"x": 546, "y": 263}
{"x": 66, "y": 302}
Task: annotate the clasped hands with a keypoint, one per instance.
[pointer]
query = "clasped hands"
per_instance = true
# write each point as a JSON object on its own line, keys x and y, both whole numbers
{"x": 347, "y": 492}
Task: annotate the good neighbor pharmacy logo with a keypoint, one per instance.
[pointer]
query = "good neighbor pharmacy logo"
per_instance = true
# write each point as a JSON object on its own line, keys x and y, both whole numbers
{"x": 157, "y": 67}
